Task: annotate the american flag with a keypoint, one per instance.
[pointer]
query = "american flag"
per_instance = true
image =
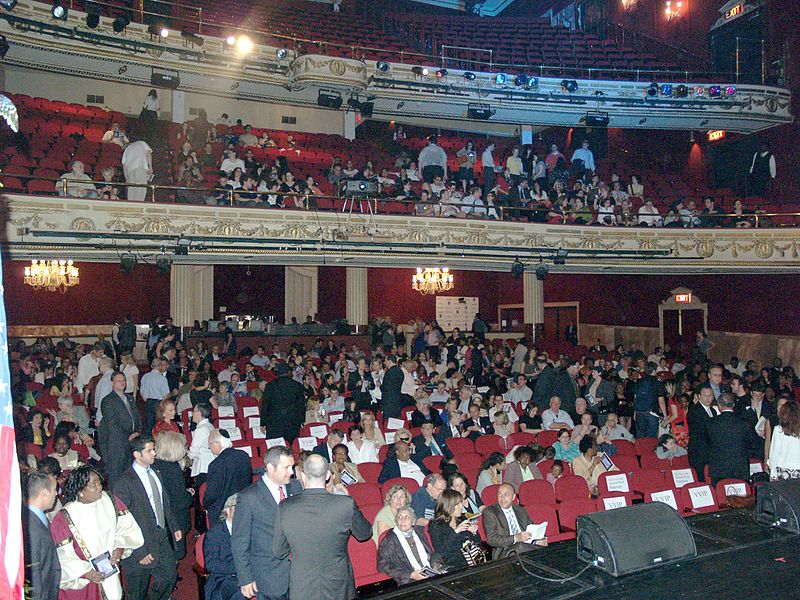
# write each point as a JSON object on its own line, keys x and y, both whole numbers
{"x": 12, "y": 569}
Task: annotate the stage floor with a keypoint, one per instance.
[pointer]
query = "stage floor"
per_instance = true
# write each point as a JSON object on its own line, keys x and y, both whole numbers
{"x": 736, "y": 558}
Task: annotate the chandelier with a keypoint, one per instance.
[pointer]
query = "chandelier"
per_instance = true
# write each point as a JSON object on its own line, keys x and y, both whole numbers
{"x": 52, "y": 275}
{"x": 673, "y": 10}
{"x": 432, "y": 281}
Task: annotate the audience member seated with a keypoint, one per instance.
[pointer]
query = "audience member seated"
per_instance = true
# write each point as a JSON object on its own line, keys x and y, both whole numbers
{"x": 531, "y": 421}
{"x": 360, "y": 450}
{"x": 424, "y": 413}
{"x": 402, "y": 464}
{"x": 222, "y": 582}
{"x": 565, "y": 448}
{"x": 453, "y": 535}
{"x": 429, "y": 443}
{"x": 614, "y": 431}
{"x": 342, "y": 470}
{"x": 67, "y": 458}
{"x": 396, "y": 498}
{"x": 587, "y": 464}
{"x": 115, "y": 135}
{"x": 476, "y": 425}
{"x": 668, "y": 449}
{"x": 506, "y": 523}
{"x": 325, "y": 449}
{"x": 423, "y": 501}
{"x": 78, "y": 183}
{"x": 404, "y": 552}
{"x": 491, "y": 472}
{"x": 522, "y": 468}
{"x": 555, "y": 418}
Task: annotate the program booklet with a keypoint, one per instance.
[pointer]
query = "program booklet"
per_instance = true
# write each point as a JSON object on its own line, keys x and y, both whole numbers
{"x": 537, "y": 531}
{"x": 102, "y": 564}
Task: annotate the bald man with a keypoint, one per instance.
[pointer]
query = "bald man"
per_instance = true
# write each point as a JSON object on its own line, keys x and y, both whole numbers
{"x": 505, "y": 524}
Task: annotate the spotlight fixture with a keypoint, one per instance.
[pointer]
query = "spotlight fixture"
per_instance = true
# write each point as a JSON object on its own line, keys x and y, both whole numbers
{"x": 699, "y": 91}
{"x": 715, "y": 91}
{"x": 652, "y": 90}
{"x": 59, "y": 11}
{"x": 517, "y": 268}
{"x": 158, "y": 30}
{"x": 4, "y": 47}
{"x": 561, "y": 257}
{"x": 192, "y": 38}
{"x": 120, "y": 23}
{"x": 469, "y": 75}
{"x": 441, "y": 73}
{"x": 354, "y": 103}
{"x": 521, "y": 80}
{"x": 420, "y": 70}
{"x": 481, "y": 112}
{"x": 281, "y": 53}
{"x": 595, "y": 119}
{"x": 533, "y": 82}
{"x": 541, "y": 271}
{"x": 666, "y": 89}
{"x": 8, "y": 4}
{"x": 382, "y": 66}
{"x": 163, "y": 264}
{"x": 244, "y": 45}
{"x": 366, "y": 109}
{"x": 182, "y": 246}
{"x": 230, "y": 40}
{"x": 92, "y": 15}
{"x": 329, "y": 99}
{"x": 681, "y": 91}
{"x": 730, "y": 90}
{"x": 500, "y": 79}
{"x": 127, "y": 262}
{"x": 569, "y": 85}
{"x": 425, "y": 71}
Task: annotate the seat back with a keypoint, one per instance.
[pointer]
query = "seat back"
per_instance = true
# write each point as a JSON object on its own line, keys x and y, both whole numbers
{"x": 570, "y": 510}
{"x": 365, "y": 493}
{"x": 731, "y": 487}
{"x": 614, "y": 482}
{"x": 571, "y": 487}
{"x": 698, "y": 498}
{"x": 370, "y": 471}
{"x": 461, "y": 445}
{"x": 489, "y": 494}
{"x": 410, "y": 484}
{"x": 536, "y": 491}
{"x": 486, "y": 444}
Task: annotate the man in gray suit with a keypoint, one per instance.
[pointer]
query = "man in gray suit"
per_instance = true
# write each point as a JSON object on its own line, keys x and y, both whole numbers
{"x": 121, "y": 423}
{"x": 260, "y": 574}
{"x": 42, "y": 569}
{"x": 315, "y": 527}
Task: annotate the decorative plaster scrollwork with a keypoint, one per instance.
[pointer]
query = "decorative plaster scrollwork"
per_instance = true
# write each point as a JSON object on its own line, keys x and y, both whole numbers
{"x": 83, "y": 224}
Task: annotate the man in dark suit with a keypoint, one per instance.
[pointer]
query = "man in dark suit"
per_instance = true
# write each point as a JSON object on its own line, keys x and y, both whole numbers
{"x": 698, "y": 417}
{"x": 752, "y": 410}
{"x": 565, "y": 386}
{"x": 505, "y": 524}
{"x": 316, "y": 524}
{"x": 477, "y": 425}
{"x": 42, "y": 569}
{"x": 429, "y": 443}
{"x": 283, "y": 408}
{"x": 121, "y": 423}
{"x": 260, "y": 574}
{"x": 325, "y": 449}
{"x": 732, "y": 441}
{"x": 392, "y": 401}
{"x": 230, "y": 472}
{"x": 543, "y": 387}
{"x": 140, "y": 488}
{"x": 402, "y": 464}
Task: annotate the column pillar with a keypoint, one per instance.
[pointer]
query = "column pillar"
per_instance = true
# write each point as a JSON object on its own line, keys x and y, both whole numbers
{"x": 526, "y": 134}
{"x": 533, "y": 305}
{"x": 349, "y": 132}
{"x": 357, "y": 298}
{"x": 300, "y": 298}
{"x": 179, "y": 110}
{"x": 191, "y": 293}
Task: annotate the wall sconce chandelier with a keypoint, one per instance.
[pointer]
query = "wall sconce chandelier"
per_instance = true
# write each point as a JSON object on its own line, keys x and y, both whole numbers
{"x": 52, "y": 275}
{"x": 674, "y": 9}
{"x": 432, "y": 281}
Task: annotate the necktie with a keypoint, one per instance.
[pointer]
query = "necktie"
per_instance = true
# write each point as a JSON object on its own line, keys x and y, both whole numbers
{"x": 513, "y": 524}
{"x": 156, "y": 499}
{"x": 435, "y": 448}
{"x": 281, "y": 494}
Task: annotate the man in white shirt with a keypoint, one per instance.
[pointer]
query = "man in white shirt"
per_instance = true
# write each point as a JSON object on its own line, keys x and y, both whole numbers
{"x": 247, "y": 138}
{"x": 432, "y": 161}
{"x": 464, "y": 399}
{"x": 137, "y": 164}
{"x": 648, "y": 214}
{"x": 260, "y": 358}
{"x": 440, "y": 395}
{"x": 583, "y": 153}
{"x": 225, "y": 375}
{"x": 334, "y": 403}
{"x": 154, "y": 388}
{"x": 410, "y": 385}
{"x": 103, "y": 387}
{"x": 500, "y": 405}
{"x": 89, "y": 366}
{"x": 231, "y": 162}
{"x": 614, "y": 431}
{"x": 519, "y": 392}
{"x": 408, "y": 468}
{"x": 79, "y": 184}
{"x": 735, "y": 366}
{"x": 488, "y": 167}
{"x": 555, "y": 418}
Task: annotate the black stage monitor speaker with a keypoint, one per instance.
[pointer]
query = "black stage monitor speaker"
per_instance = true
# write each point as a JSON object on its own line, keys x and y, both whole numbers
{"x": 634, "y": 538}
{"x": 778, "y": 504}
{"x": 165, "y": 80}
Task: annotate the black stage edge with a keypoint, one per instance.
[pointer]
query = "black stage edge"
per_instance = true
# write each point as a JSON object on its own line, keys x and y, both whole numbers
{"x": 736, "y": 558}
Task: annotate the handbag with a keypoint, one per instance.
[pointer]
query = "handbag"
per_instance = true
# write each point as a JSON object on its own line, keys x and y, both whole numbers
{"x": 473, "y": 554}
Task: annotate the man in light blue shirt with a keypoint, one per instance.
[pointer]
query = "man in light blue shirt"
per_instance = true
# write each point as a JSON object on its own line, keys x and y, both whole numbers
{"x": 587, "y": 156}
{"x": 103, "y": 387}
{"x": 154, "y": 388}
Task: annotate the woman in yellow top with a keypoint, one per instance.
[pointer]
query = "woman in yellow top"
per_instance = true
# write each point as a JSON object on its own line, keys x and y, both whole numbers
{"x": 588, "y": 465}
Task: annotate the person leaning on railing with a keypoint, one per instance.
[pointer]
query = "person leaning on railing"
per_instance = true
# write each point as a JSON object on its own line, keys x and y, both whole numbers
{"x": 76, "y": 183}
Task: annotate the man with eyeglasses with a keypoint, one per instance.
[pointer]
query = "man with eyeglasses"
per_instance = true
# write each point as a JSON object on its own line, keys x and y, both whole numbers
{"x": 402, "y": 464}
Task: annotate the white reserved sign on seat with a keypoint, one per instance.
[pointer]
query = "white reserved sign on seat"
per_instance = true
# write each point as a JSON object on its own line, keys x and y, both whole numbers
{"x": 389, "y": 437}
{"x": 393, "y": 423}
{"x": 318, "y": 431}
{"x": 250, "y": 411}
{"x": 617, "y": 483}
{"x": 257, "y": 434}
{"x": 228, "y": 424}
{"x": 334, "y": 417}
{"x": 271, "y": 442}
{"x": 254, "y": 422}
{"x": 248, "y": 449}
{"x": 235, "y": 433}
{"x": 701, "y": 497}
{"x": 226, "y": 411}
{"x": 307, "y": 443}
{"x": 736, "y": 489}
{"x": 667, "y": 497}
{"x": 682, "y": 476}
{"x": 612, "y": 503}
{"x": 756, "y": 468}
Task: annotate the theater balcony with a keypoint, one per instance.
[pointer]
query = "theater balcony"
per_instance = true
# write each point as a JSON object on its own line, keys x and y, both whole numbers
{"x": 361, "y": 234}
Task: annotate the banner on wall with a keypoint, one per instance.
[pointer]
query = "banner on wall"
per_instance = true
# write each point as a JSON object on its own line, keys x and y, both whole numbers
{"x": 455, "y": 311}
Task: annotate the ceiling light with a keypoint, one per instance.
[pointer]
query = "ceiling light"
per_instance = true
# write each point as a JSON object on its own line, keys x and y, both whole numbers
{"x": 730, "y": 90}
{"x": 382, "y": 66}
{"x": 244, "y": 44}
{"x": 230, "y": 40}
{"x": 59, "y": 11}
{"x": 120, "y": 23}
{"x": 281, "y": 53}
{"x": 652, "y": 90}
{"x": 715, "y": 91}
{"x": 569, "y": 85}
{"x": 469, "y": 75}
{"x": 441, "y": 73}
{"x": 521, "y": 80}
{"x": 681, "y": 91}
{"x": 666, "y": 89}
{"x": 8, "y": 4}
{"x": 500, "y": 78}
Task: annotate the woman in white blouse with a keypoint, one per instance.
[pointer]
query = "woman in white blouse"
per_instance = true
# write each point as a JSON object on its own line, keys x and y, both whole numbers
{"x": 359, "y": 449}
{"x": 784, "y": 447}
{"x": 199, "y": 451}
{"x": 371, "y": 431}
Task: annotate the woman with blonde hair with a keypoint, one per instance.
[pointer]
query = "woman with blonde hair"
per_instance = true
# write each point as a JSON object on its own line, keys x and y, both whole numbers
{"x": 131, "y": 371}
{"x": 396, "y": 498}
{"x": 371, "y": 431}
{"x": 170, "y": 462}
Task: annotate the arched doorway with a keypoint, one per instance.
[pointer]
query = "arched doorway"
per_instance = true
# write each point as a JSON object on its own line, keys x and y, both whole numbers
{"x": 680, "y": 317}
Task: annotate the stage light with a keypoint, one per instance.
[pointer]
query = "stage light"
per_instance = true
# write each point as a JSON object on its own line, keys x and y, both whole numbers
{"x": 127, "y": 262}
{"x": 329, "y": 99}
{"x": 92, "y": 17}
{"x": 666, "y": 89}
{"x": 382, "y": 66}
{"x": 517, "y": 268}
{"x": 500, "y": 79}
{"x": 163, "y": 264}
{"x": 59, "y": 11}
{"x": 120, "y": 23}
{"x": 354, "y": 103}
{"x": 681, "y": 91}
{"x": 425, "y": 71}
{"x": 420, "y": 70}
{"x": 652, "y": 90}
{"x": 699, "y": 91}
{"x": 560, "y": 258}
{"x": 569, "y": 85}
{"x": 281, "y": 53}
{"x": 158, "y": 30}
{"x": 8, "y": 4}
{"x": 441, "y": 73}
{"x": 520, "y": 80}
{"x": 4, "y": 47}
{"x": 541, "y": 272}
{"x": 715, "y": 91}
{"x": 230, "y": 40}
{"x": 192, "y": 38}
{"x": 469, "y": 75}
{"x": 479, "y": 111}
{"x": 244, "y": 44}
{"x": 730, "y": 90}
{"x": 533, "y": 82}
{"x": 366, "y": 109}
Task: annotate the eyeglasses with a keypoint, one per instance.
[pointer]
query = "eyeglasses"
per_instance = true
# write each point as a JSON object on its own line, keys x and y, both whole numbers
{"x": 404, "y": 439}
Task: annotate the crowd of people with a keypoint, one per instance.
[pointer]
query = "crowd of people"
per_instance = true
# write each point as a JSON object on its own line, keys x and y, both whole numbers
{"x": 113, "y": 477}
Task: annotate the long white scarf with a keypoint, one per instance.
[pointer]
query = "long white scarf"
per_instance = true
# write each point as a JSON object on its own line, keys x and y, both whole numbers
{"x": 423, "y": 554}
